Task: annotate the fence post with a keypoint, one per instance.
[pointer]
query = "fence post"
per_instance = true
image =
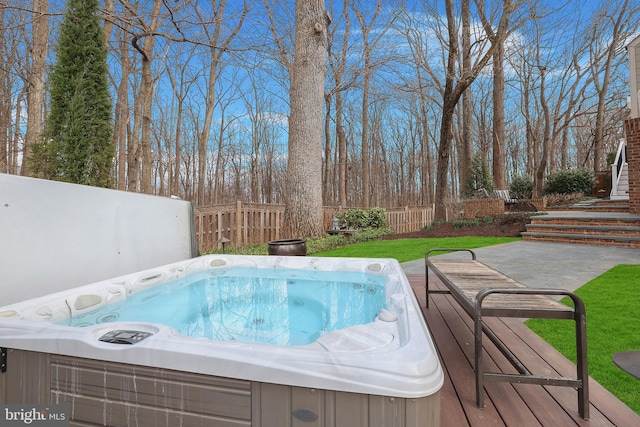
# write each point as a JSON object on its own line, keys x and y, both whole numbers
{"x": 239, "y": 223}
{"x": 220, "y": 227}
{"x": 201, "y": 232}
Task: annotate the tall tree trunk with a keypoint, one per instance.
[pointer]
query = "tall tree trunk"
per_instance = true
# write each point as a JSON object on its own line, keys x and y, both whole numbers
{"x": 338, "y": 66}
{"x": 15, "y": 141}
{"x": 174, "y": 171}
{"x": 108, "y": 22}
{"x": 342, "y": 152}
{"x": 303, "y": 200}
{"x": 366, "y": 174}
{"x": 466, "y": 151}
{"x": 617, "y": 33}
{"x": 141, "y": 152}
{"x": 499, "y": 133}
{"x": 146, "y": 89}
{"x": 6, "y": 109}
{"x": 219, "y": 173}
{"x": 134, "y": 153}
{"x": 546, "y": 139}
{"x": 448, "y": 108}
{"x": 203, "y": 137}
{"x": 367, "y": 72}
{"x": 326, "y": 197}
{"x": 36, "y": 78}
{"x": 122, "y": 116}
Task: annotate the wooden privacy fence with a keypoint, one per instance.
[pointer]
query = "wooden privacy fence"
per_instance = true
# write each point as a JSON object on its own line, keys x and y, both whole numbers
{"x": 241, "y": 223}
{"x": 408, "y": 219}
{"x": 253, "y": 223}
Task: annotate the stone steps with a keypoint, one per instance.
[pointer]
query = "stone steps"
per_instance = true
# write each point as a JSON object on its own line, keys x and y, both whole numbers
{"x": 587, "y": 227}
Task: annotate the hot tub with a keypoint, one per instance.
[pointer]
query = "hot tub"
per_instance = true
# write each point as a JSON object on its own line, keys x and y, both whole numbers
{"x": 384, "y": 372}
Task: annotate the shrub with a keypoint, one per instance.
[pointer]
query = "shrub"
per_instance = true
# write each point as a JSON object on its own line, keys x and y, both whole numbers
{"x": 579, "y": 180}
{"x": 466, "y": 223}
{"x": 370, "y": 234}
{"x": 521, "y": 187}
{"x": 556, "y": 199}
{"x": 319, "y": 244}
{"x": 363, "y": 218}
{"x": 434, "y": 224}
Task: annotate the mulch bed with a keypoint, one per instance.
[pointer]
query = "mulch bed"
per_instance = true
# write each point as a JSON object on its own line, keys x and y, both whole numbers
{"x": 509, "y": 225}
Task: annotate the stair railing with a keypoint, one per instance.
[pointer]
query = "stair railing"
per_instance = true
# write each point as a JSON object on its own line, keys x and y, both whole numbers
{"x": 618, "y": 164}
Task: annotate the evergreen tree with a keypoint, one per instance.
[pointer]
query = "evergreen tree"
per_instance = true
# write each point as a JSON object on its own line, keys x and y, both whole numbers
{"x": 77, "y": 145}
{"x": 478, "y": 177}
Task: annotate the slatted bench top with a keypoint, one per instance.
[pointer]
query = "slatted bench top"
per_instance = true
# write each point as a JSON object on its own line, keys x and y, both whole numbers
{"x": 471, "y": 276}
{"x": 469, "y": 280}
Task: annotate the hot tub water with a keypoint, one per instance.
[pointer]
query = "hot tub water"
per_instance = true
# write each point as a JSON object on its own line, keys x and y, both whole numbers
{"x": 267, "y": 306}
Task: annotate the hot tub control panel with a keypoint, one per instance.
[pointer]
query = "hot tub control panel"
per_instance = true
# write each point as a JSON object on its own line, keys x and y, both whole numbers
{"x": 124, "y": 337}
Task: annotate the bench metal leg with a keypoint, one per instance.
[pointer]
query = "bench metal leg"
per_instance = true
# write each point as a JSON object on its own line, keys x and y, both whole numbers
{"x": 426, "y": 285}
{"x": 581, "y": 358}
{"x": 479, "y": 362}
{"x": 581, "y": 382}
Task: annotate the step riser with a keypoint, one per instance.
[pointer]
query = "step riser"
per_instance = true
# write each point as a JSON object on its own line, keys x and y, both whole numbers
{"x": 610, "y": 209}
{"x": 600, "y": 242}
{"x": 585, "y": 223}
{"x": 592, "y": 232}
{"x": 596, "y": 208}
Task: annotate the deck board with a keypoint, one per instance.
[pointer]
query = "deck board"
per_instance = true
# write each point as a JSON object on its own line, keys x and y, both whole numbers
{"x": 508, "y": 404}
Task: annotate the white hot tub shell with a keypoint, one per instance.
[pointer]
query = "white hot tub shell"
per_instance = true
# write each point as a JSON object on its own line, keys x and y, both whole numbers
{"x": 383, "y": 373}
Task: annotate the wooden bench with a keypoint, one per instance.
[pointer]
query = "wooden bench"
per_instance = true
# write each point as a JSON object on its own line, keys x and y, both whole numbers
{"x": 484, "y": 292}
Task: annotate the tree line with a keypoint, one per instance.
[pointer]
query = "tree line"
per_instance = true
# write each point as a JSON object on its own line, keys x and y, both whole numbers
{"x": 413, "y": 91}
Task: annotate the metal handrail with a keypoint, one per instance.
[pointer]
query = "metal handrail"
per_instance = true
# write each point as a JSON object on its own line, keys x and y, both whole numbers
{"x": 616, "y": 167}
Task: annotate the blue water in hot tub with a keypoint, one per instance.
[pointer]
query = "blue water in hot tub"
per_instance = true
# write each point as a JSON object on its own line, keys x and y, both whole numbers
{"x": 269, "y": 306}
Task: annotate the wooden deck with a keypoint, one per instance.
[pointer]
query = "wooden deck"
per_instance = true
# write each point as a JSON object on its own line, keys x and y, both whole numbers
{"x": 508, "y": 404}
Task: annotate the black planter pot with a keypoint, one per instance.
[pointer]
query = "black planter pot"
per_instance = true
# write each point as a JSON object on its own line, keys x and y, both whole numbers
{"x": 288, "y": 247}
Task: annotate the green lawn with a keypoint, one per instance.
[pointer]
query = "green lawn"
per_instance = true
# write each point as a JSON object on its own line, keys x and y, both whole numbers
{"x": 613, "y": 324}
{"x": 612, "y": 301}
{"x": 410, "y": 249}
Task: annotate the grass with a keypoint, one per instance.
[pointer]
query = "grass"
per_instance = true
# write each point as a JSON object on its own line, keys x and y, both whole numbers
{"x": 411, "y": 249}
{"x": 612, "y": 301}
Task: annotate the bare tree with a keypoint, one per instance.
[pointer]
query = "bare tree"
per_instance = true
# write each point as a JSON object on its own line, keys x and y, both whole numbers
{"x": 499, "y": 132}
{"x": 454, "y": 88}
{"x": 425, "y": 83}
{"x": 549, "y": 99}
{"x": 219, "y": 37}
{"x": 139, "y": 144}
{"x": 369, "y": 44}
{"x": 181, "y": 82}
{"x": 466, "y": 150}
{"x": 338, "y": 65}
{"x": 121, "y": 117}
{"x": 303, "y": 202}
{"x": 8, "y": 55}
{"x": 36, "y": 77}
{"x": 610, "y": 27}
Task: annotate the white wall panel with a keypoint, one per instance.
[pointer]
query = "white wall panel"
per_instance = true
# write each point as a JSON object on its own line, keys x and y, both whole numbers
{"x": 55, "y": 236}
